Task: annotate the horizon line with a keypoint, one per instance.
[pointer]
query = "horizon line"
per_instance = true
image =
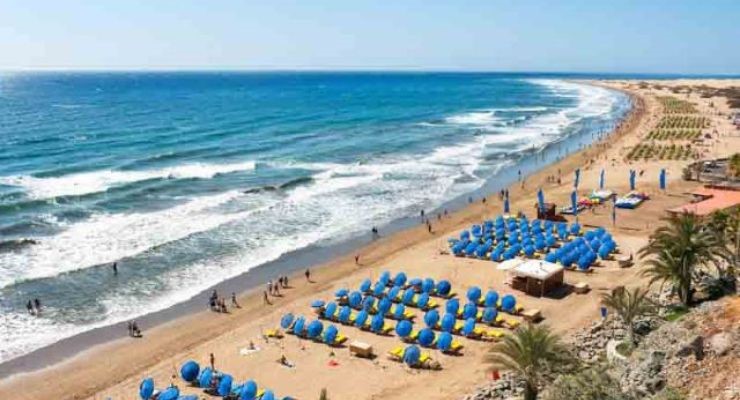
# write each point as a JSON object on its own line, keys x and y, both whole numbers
{"x": 268, "y": 69}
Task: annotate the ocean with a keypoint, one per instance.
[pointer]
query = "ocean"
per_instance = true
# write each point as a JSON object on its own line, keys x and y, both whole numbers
{"x": 189, "y": 179}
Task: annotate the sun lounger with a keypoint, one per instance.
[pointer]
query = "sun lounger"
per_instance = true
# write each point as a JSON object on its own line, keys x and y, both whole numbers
{"x": 494, "y": 334}
{"x": 274, "y": 333}
{"x": 396, "y": 354}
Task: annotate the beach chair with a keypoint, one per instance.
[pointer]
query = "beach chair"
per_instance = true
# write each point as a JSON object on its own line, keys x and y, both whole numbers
{"x": 493, "y": 334}
{"x": 273, "y": 333}
{"x": 396, "y": 354}
{"x": 455, "y": 348}
{"x": 338, "y": 340}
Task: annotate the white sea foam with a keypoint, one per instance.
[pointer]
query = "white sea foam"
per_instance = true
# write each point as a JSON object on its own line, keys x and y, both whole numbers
{"x": 102, "y": 180}
{"x": 486, "y": 117}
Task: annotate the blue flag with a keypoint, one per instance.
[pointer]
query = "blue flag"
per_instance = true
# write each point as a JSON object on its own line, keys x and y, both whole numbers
{"x": 601, "y": 179}
{"x": 662, "y": 179}
{"x": 578, "y": 178}
{"x": 506, "y": 204}
{"x": 574, "y": 202}
{"x": 541, "y": 200}
{"x": 632, "y": 179}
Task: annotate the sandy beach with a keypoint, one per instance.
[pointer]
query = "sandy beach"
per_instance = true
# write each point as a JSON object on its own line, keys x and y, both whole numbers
{"x": 114, "y": 370}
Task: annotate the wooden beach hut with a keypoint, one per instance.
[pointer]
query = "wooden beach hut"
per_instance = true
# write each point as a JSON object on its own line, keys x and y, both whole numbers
{"x": 536, "y": 277}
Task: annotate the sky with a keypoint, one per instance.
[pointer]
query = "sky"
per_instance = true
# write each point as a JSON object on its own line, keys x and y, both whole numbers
{"x": 621, "y": 36}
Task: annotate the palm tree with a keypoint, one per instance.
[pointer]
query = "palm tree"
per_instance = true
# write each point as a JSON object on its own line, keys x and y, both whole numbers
{"x": 629, "y": 305}
{"x": 679, "y": 248}
{"x": 530, "y": 352}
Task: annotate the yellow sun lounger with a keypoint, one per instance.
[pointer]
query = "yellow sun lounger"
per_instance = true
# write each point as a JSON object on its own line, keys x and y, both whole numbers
{"x": 273, "y": 333}
{"x": 493, "y": 334}
{"x": 511, "y": 323}
{"x": 517, "y": 308}
{"x": 338, "y": 340}
{"x": 396, "y": 354}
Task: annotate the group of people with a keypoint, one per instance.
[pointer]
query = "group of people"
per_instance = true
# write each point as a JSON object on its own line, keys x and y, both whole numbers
{"x": 273, "y": 288}
{"x": 34, "y": 307}
{"x": 218, "y": 304}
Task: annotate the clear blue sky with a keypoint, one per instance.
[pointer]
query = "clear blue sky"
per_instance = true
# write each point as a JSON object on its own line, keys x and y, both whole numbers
{"x": 658, "y": 36}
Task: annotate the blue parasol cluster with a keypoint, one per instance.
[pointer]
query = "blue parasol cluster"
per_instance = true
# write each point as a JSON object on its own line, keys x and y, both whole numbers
{"x": 503, "y": 239}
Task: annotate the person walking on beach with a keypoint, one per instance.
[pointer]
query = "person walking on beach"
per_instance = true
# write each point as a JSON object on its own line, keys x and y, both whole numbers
{"x": 429, "y": 227}
{"x": 212, "y": 359}
{"x": 29, "y": 307}
{"x": 115, "y": 269}
{"x": 37, "y": 305}
{"x": 357, "y": 259}
{"x": 422, "y": 215}
{"x": 285, "y": 279}
{"x": 269, "y": 286}
{"x": 308, "y": 275}
{"x": 265, "y": 299}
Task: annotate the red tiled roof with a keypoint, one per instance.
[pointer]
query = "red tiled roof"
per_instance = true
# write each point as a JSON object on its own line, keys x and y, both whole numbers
{"x": 718, "y": 200}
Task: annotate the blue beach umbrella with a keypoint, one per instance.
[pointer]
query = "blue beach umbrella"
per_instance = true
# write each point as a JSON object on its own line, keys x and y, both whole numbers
{"x": 491, "y": 298}
{"x": 172, "y": 393}
{"x": 426, "y": 337}
{"x": 344, "y": 314}
{"x": 204, "y": 379}
{"x": 385, "y": 277}
{"x": 431, "y": 318}
{"x": 330, "y": 334}
{"x": 506, "y": 204}
{"x": 403, "y": 328}
{"x": 341, "y": 293}
{"x": 317, "y": 303}
{"x": 601, "y": 179}
{"x": 444, "y": 341}
{"x": 578, "y": 178}
{"x": 146, "y": 388}
{"x": 384, "y": 305}
{"x": 368, "y": 303}
{"x": 468, "y": 327}
{"x": 268, "y": 395}
{"x": 661, "y": 179}
{"x": 355, "y": 299}
{"x": 416, "y": 282}
{"x": 470, "y": 311}
{"x": 299, "y": 326}
{"x": 379, "y": 289}
{"x": 377, "y": 323}
{"x": 632, "y": 179}
{"x": 330, "y": 310}
{"x": 448, "y": 322}
{"x": 411, "y": 355}
{"x": 508, "y": 303}
{"x": 428, "y": 285}
{"x": 400, "y": 279}
{"x": 474, "y": 294}
{"x": 314, "y": 329}
{"x": 423, "y": 301}
{"x": 393, "y": 293}
{"x": 189, "y": 371}
{"x": 361, "y": 318}
{"x": 286, "y": 321}
{"x": 365, "y": 286}
{"x": 489, "y": 315}
{"x": 224, "y": 385}
{"x": 408, "y": 297}
{"x": 452, "y": 305}
{"x": 249, "y": 390}
{"x": 399, "y": 312}
{"x": 443, "y": 288}
{"x": 541, "y": 199}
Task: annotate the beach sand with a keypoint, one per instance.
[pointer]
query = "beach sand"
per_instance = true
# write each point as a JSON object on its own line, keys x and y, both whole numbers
{"x": 114, "y": 370}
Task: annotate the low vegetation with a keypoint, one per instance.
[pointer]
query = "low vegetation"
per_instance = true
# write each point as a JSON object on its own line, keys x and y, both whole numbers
{"x": 661, "y": 152}
{"x": 672, "y": 105}
{"x": 674, "y": 134}
{"x": 683, "y": 122}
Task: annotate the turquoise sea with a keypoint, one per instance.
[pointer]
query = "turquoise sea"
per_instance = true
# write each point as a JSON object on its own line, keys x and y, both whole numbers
{"x": 188, "y": 179}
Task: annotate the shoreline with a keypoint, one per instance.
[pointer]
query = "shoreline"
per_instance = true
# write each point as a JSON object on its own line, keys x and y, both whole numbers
{"x": 314, "y": 256}
{"x": 319, "y": 257}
